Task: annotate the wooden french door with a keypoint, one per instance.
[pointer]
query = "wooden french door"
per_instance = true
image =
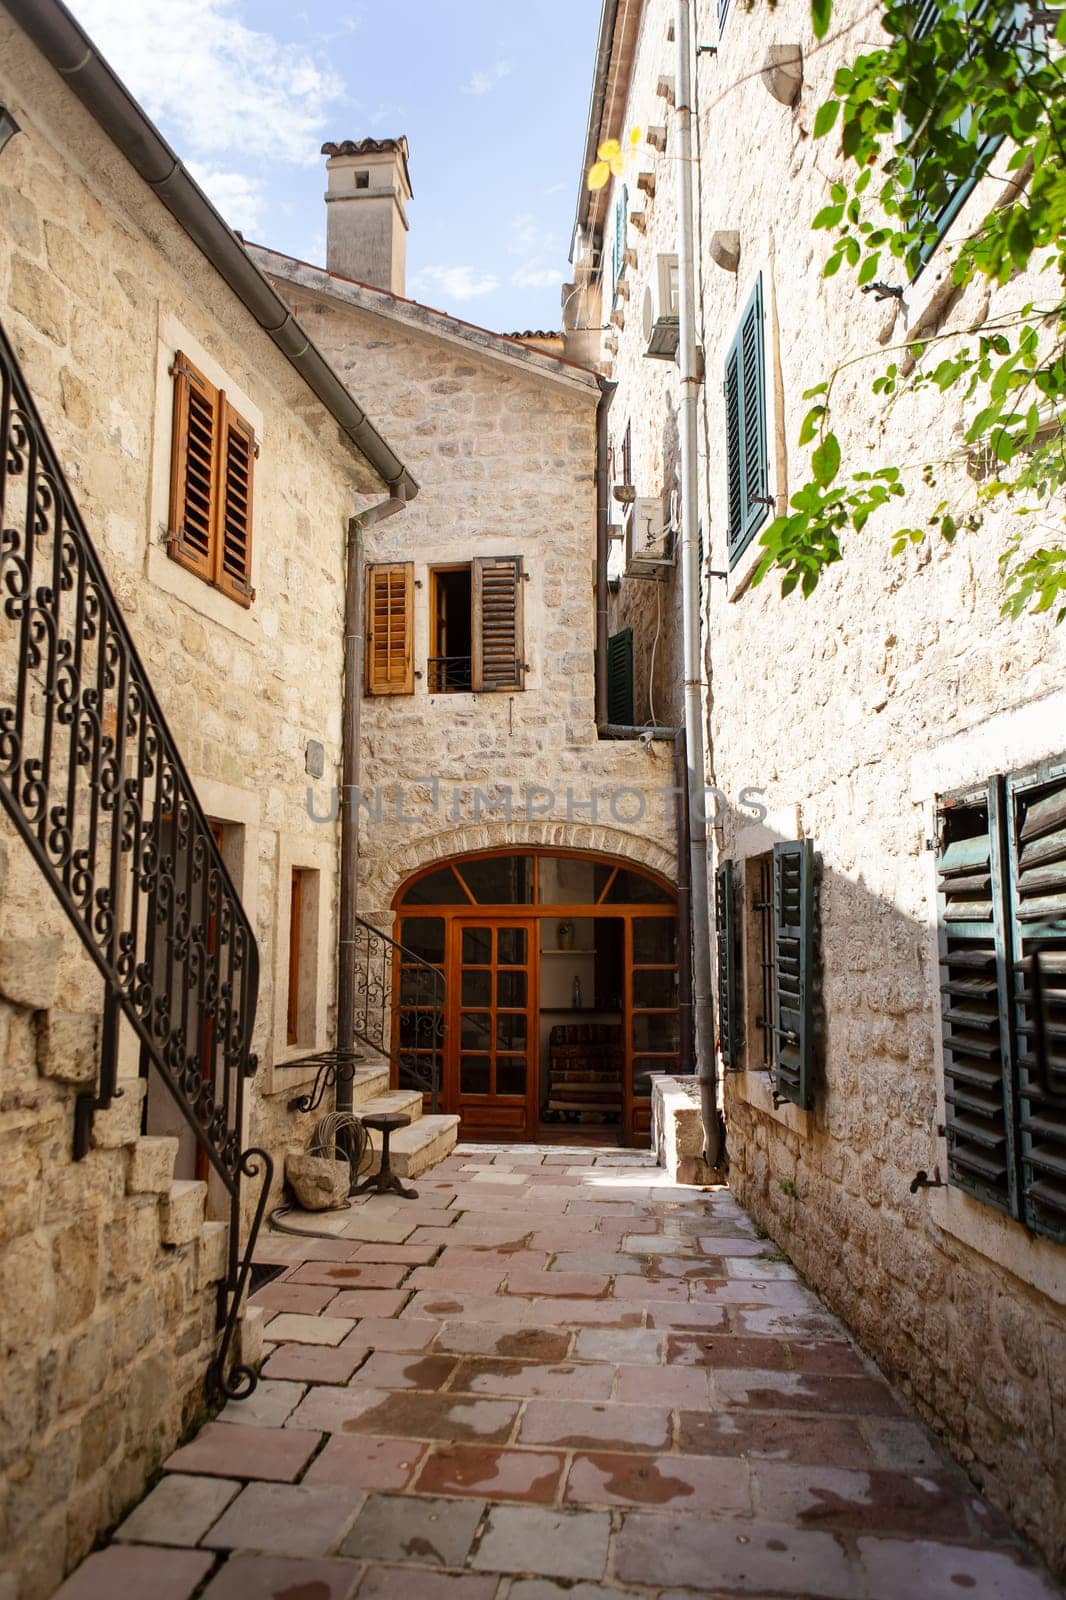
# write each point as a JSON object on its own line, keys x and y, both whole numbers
{"x": 491, "y": 1069}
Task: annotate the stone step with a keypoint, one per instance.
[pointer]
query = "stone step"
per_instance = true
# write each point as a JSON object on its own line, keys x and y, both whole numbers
{"x": 417, "y": 1148}
{"x": 121, "y": 1123}
{"x": 183, "y": 1211}
{"x": 151, "y": 1168}
{"x": 407, "y": 1102}
{"x": 371, "y": 1079}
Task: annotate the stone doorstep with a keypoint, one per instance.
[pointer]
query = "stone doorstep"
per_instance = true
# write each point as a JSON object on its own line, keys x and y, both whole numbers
{"x": 415, "y": 1149}
{"x": 408, "y": 1102}
{"x": 370, "y": 1081}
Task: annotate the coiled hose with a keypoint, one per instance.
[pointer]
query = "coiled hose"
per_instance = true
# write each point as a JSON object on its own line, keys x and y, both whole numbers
{"x": 338, "y": 1136}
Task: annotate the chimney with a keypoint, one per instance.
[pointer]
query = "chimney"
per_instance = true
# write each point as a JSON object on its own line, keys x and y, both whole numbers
{"x": 366, "y": 216}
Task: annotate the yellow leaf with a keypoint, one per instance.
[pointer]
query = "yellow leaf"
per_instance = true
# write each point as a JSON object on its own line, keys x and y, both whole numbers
{"x": 598, "y": 175}
{"x": 634, "y": 137}
{"x": 609, "y": 150}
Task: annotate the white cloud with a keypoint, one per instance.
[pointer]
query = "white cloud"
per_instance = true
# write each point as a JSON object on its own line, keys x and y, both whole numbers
{"x": 483, "y": 82}
{"x": 239, "y": 198}
{"x": 456, "y": 283}
{"x": 218, "y": 86}
{"x": 536, "y": 277}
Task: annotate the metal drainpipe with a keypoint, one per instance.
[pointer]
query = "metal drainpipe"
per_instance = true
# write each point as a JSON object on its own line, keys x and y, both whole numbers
{"x": 690, "y": 364}
{"x": 684, "y": 904}
{"x": 349, "y": 802}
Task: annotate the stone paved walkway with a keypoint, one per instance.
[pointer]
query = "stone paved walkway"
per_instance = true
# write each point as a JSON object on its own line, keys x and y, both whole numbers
{"x": 555, "y": 1377}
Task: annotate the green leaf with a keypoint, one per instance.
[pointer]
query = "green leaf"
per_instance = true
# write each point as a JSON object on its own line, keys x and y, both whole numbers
{"x": 810, "y": 424}
{"x": 821, "y": 14}
{"x": 828, "y": 217}
{"x": 825, "y": 462}
{"x": 825, "y": 117}
{"x": 868, "y": 270}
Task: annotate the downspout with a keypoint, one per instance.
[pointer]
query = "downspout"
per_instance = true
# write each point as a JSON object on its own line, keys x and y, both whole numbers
{"x": 605, "y": 729}
{"x": 349, "y": 800}
{"x": 684, "y": 907}
{"x": 689, "y": 361}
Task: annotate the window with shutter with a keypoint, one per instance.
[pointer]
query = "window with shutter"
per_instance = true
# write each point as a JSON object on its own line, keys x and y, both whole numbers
{"x": 389, "y": 649}
{"x": 723, "y": 12}
{"x": 747, "y": 458}
{"x": 212, "y": 467}
{"x": 621, "y": 222}
{"x": 978, "y": 1092}
{"x": 620, "y": 678}
{"x": 794, "y": 970}
{"x": 497, "y": 624}
{"x": 726, "y": 949}
{"x": 1037, "y": 813}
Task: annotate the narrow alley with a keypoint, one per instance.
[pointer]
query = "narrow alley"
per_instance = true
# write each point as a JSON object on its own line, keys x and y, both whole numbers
{"x": 556, "y": 1376}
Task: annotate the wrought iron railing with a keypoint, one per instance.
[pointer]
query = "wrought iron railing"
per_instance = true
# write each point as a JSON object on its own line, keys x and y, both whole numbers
{"x": 450, "y": 674}
{"x": 399, "y": 1013}
{"x": 93, "y": 782}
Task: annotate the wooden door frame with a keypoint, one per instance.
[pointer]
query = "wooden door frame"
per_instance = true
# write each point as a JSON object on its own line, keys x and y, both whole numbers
{"x": 493, "y": 919}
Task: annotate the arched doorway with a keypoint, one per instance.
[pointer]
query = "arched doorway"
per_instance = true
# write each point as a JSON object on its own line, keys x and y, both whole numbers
{"x": 561, "y": 979}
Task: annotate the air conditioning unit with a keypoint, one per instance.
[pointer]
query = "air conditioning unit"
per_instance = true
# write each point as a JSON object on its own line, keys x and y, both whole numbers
{"x": 650, "y": 545}
{"x": 660, "y": 311}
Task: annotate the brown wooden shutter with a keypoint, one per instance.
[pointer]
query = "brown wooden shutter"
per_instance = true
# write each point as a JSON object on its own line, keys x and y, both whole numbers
{"x": 233, "y": 556}
{"x": 498, "y": 647}
{"x": 390, "y": 591}
{"x": 193, "y": 475}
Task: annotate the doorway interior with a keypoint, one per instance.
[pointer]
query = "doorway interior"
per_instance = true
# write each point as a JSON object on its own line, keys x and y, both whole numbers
{"x": 561, "y": 979}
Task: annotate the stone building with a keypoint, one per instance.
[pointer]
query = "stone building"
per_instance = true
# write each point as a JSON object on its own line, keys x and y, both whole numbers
{"x": 909, "y": 744}
{"x": 480, "y": 743}
{"x": 158, "y": 360}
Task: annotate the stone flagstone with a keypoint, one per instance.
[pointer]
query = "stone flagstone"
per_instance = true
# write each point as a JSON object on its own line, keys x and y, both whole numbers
{"x": 627, "y": 1396}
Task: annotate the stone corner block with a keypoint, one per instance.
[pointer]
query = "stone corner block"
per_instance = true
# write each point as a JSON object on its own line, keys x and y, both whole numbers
{"x": 68, "y": 1045}
{"x": 183, "y": 1211}
{"x": 121, "y": 1123}
{"x": 212, "y": 1260}
{"x": 151, "y": 1168}
{"x": 677, "y": 1127}
{"x": 29, "y": 971}
{"x": 252, "y": 1324}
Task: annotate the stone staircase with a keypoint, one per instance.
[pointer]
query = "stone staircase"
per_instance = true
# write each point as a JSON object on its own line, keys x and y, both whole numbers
{"x": 412, "y": 1150}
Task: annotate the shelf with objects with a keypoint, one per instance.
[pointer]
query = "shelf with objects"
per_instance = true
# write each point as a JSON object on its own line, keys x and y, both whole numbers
{"x": 581, "y": 1038}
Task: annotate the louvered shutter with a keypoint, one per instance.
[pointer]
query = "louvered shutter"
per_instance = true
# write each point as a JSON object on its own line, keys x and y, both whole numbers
{"x": 794, "y": 969}
{"x": 747, "y": 459}
{"x": 193, "y": 475}
{"x": 974, "y": 996}
{"x": 1037, "y": 808}
{"x": 497, "y": 624}
{"x": 233, "y": 572}
{"x": 621, "y": 222}
{"x": 725, "y": 933}
{"x": 620, "y": 678}
{"x": 390, "y": 663}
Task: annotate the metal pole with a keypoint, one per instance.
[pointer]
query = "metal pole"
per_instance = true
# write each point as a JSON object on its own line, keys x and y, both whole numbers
{"x": 690, "y": 364}
{"x": 349, "y": 864}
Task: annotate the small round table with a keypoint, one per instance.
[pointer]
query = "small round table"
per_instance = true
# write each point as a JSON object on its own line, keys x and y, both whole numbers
{"x": 384, "y": 1180}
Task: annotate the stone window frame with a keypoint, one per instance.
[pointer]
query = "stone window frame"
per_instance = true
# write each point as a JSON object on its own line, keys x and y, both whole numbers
{"x": 318, "y": 958}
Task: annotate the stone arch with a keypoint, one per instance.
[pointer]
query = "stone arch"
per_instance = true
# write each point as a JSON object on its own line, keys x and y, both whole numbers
{"x": 545, "y": 833}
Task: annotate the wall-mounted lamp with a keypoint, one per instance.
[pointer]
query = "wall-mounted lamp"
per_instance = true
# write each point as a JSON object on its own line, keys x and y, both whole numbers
{"x": 8, "y": 126}
{"x": 782, "y": 72}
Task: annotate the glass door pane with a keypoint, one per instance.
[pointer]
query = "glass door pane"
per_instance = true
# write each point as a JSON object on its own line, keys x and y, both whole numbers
{"x": 494, "y": 1021}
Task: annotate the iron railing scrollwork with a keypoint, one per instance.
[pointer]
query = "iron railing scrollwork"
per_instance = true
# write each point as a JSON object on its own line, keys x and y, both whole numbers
{"x": 93, "y": 782}
{"x": 399, "y": 1014}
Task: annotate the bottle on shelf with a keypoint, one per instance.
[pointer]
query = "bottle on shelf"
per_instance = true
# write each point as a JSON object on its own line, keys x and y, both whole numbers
{"x": 575, "y": 993}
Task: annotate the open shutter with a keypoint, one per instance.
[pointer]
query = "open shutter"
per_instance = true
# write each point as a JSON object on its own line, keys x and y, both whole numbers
{"x": 234, "y": 549}
{"x": 725, "y": 933}
{"x": 974, "y": 997}
{"x": 1037, "y": 806}
{"x": 390, "y": 666}
{"x": 794, "y": 969}
{"x": 620, "y": 678}
{"x": 193, "y": 469}
{"x": 747, "y": 460}
{"x": 497, "y": 624}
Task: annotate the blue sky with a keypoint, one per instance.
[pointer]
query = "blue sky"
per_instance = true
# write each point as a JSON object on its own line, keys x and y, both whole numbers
{"x": 493, "y": 98}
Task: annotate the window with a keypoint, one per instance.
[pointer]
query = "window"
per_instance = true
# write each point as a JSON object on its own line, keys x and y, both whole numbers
{"x": 390, "y": 663}
{"x": 300, "y": 1011}
{"x": 475, "y": 640}
{"x": 1001, "y": 896}
{"x": 723, "y": 12}
{"x": 620, "y": 679}
{"x": 621, "y": 222}
{"x": 747, "y": 458}
{"x": 212, "y": 465}
{"x": 782, "y": 930}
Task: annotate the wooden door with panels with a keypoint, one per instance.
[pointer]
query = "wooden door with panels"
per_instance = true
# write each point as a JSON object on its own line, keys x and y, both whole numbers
{"x": 491, "y": 1073}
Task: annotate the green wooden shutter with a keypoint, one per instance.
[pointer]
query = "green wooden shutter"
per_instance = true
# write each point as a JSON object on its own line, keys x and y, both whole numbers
{"x": 620, "y": 678}
{"x": 1037, "y": 812}
{"x": 974, "y": 968}
{"x": 725, "y": 933}
{"x": 621, "y": 222}
{"x": 794, "y": 970}
{"x": 747, "y": 458}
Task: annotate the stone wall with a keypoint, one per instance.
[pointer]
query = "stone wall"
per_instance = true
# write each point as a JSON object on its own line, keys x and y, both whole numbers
{"x": 502, "y": 440}
{"x": 107, "y": 1268}
{"x": 898, "y": 681}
